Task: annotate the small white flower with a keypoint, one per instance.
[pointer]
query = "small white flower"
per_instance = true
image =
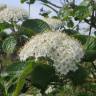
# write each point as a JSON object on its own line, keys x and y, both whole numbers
{"x": 62, "y": 49}
{"x": 12, "y": 14}
{"x": 50, "y": 89}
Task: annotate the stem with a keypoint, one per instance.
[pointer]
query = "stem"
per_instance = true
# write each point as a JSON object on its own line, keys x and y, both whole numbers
{"x": 91, "y": 19}
{"x": 51, "y": 8}
{"x": 29, "y": 9}
{"x": 21, "y": 80}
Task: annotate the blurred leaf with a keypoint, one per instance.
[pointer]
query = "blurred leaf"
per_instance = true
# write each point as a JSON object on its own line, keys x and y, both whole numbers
{"x": 90, "y": 43}
{"x": 16, "y": 67}
{"x": 36, "y": 25}
{"x": 85, "y": 2}
{"x": 4, "y": 26}
{"x": 21, "y": 80}
{"x": 82, "y": 12}
{"x": 45, "y": 71}
{"x": 28, "y": 1}
{"x": 9, "y": 45}
{"x": 3, "y": 91}
{"x": 81, "y": 38}
{"x": 65, "y": 12}
{"x": 78, "y": 77}
{"x": 90, "y": 55}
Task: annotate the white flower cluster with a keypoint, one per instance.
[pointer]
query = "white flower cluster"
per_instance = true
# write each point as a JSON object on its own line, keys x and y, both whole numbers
{"x": 62, "y": 49}
{"x": 12, "y": 14}
{"x": 55, "y": 24}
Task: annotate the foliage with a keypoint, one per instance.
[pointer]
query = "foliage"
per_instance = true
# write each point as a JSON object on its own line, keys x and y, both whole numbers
{"x": 18, "y": 77}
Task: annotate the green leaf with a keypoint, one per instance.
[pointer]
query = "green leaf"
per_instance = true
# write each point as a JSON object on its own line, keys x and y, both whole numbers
{"x": 9, "y": 45}
{"x": 90, "y": 55}
{"x": 81, "y": 38}
{"x": 4, "y": 26}
{"x": 45, "y": 71}
{"x": 22, "y": 1}
{"x": 36, "y": 25}
{"x": 90, "y": 44}
{"x": 21, "y": 80}
{"x": 78, "y": 77}
{"x": 3, "y": 91}
{"x": 15, "y": 67}
{"x": 82, "y": 12}
{"x": 28, "y": 1}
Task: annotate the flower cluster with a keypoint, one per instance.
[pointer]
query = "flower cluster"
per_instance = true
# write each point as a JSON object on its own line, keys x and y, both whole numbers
{"x": 62, "y": 49}
{"x": 55, "y": 24}
{"x": 12, "y": 14}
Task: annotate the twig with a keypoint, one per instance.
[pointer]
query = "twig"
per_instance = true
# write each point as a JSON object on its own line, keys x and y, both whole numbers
{"x": 54, "y": 4}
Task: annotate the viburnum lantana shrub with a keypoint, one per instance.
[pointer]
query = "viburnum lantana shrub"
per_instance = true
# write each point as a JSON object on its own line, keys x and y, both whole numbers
{"x": 11, "y": 14}
{"x": 62, "y": 49}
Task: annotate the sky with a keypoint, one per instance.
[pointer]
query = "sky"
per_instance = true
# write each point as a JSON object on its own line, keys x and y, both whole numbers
{"x": 35, "y": 8}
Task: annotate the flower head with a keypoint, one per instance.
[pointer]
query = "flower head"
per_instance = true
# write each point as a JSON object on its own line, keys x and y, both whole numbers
{"x": 62, "y": 49}
{"x": 12, "y": 14}
{"x": 55, "y": 24}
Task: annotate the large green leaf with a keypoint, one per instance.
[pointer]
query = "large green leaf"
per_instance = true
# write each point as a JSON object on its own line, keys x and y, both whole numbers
{"x": 45, "y": 71}
{"x": 81, "y": 38}
{"x": 90, "y": 55}
{"x": 16, "y": 67}
{"x": 4, "y": 26}
{"x": 21, "y": 80}
{"x": 36, "y": 25}
{"x": 9, "y": 45}
{"x": 79, "y": 76}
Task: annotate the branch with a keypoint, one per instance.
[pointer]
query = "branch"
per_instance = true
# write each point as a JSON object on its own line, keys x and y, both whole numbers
{"x": 88, "y": 22}
{"x": 54, "y": 5}
{"x": 51, "y": 7}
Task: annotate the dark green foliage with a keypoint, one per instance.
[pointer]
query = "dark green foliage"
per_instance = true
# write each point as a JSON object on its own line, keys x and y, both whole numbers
{"x": 81, "y": 38}
{"x": 3, "y": 35}
{"x": 4, "y": 26}
{"x": 28, "y": 1}
{"x": 90, "y": 55}
{"x": 81, "y": 12}
{"x": 16, "y": 67}
{"x": 42, "y": 75}
{"x": 36, "y": 25}
{"x": 78, "y": 77}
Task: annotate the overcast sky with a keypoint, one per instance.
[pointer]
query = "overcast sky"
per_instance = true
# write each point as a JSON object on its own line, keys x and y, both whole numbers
{"x": 35, "y": 8}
